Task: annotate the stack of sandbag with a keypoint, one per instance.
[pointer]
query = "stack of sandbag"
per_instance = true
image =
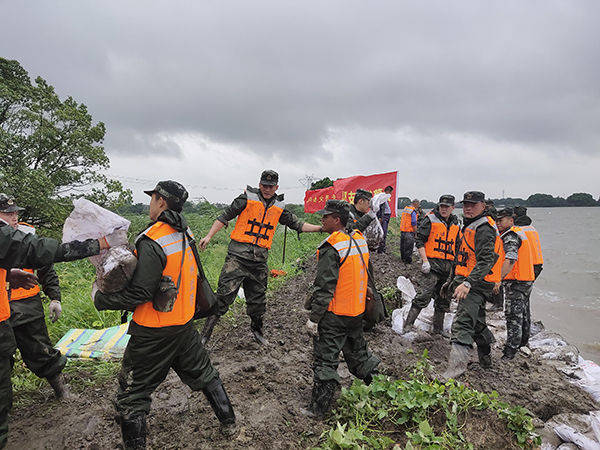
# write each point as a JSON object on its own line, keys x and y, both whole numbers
{"x": 114, "y": 267}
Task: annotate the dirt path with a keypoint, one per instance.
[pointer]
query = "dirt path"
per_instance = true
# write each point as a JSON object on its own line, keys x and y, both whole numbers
{"x": 270, "y": 385}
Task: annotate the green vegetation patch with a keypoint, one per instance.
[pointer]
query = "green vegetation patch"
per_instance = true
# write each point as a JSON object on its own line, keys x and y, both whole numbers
{"x": 420, "y": 412}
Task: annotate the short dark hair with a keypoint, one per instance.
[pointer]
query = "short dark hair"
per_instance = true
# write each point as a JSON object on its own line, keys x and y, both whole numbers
{"x": 172, "y": 204}
{"x": 388, "y": 188}
{"x": 343, "y": 218}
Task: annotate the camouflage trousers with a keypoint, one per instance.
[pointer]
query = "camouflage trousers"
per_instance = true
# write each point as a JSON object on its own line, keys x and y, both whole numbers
{"x": 407, "y": 244}
{"x": 252, "y": 275}
{"x": 342, "y": 334}
{"x": 517, "y": 313}
{"x": 430, "y": 289}
{"x": 469, "y": 323}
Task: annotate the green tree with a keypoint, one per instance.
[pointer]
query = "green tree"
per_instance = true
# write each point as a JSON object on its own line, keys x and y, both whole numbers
{"x": 323, "y": 183}
{"x": 581, "y": 199}
{"x": 545, "y": 200}
{"x": 51, "y": 151}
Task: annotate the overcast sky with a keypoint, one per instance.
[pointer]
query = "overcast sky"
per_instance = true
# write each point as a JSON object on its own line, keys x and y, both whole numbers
{"x": 493, "y": 96}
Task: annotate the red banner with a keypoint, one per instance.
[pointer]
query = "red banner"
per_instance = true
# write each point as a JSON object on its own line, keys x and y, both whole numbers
{"x": 345, "y": 188}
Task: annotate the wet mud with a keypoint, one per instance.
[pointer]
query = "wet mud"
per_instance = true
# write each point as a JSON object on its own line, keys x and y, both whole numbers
{"x": 269, "y": 386}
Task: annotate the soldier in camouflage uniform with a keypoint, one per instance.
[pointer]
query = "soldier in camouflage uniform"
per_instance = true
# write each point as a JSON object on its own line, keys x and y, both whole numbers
{"x": 258, "y": 213}
{"x": 517, "y": 282}
{"x": 337, "y": 305}
{"x": 18, "y": 249}
{"x": 27, "y": 317}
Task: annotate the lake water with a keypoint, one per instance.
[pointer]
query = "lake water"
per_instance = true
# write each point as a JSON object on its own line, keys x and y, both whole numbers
{"x": 566, "y": 296}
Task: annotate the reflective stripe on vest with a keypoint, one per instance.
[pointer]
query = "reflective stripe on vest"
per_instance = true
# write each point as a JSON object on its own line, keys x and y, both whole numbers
{"x": 171, "y": 242}
{"x": 466, "y": 259}
{"x": 406, "y": 219}
{"x": 4, "y": 306}
{"x": 21, "y": 293}
{"x": 536, "y": 246}
{"x": 523, "y": 268}
{"x": 351, "y": 289}
{"x": 255, "y": 224}
{"x": 440, "y": 243}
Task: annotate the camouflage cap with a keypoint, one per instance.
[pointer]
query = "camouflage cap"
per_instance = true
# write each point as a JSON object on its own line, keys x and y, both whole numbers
{"x": 506, "y": 212}
{"x": 269, "y": 178}
{"x": 336, "y": 206}
{"x": 473, "y": 197}
{"x": 520, "y": 211}
{"x": 8, "y": 205}
{"x": 489, "y": 202}
{"x": 446, "y": 200}
{"x": 170, "y": 190}
{"x": 362, "y": 193}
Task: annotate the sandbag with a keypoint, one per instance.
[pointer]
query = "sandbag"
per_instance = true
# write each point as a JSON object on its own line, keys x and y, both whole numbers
{"x": 115, "y": 266}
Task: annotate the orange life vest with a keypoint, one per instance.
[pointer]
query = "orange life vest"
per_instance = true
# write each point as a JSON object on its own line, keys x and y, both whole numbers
{"x": 466, "y": 260}
{"x": 534, "y": 241}
{"x": 255, "y": 224}
{"x": 406, "y": 219}
{"x": 4, "y": 306}
{"x": 440, "y": 243}
{"x": 351, "y": 289}
{"x": 523, "y": 268}
{"x": 21, "y": 293}
{"x": 171, "y": 242}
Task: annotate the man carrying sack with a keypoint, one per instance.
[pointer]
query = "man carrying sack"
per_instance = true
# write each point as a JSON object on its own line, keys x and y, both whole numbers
{"x": 162, "y": 296}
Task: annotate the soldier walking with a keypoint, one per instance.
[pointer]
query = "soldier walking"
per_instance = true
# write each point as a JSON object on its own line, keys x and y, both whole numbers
{"x": 337, "y": 307}
{"x": 258, "y": 212}
{"x": 162, "y": 331}
{"x": 477, "y": 269}
{"x": 435, "y": 240}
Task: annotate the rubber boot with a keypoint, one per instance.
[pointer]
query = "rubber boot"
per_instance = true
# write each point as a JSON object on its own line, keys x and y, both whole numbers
{"x": 134, "y": 432}
{"x": 413, "y": 313}
{"x": 508, "y": 353}
{"x": 369, "y": 378}
{"x": 61, "y": 389}
{"x": 438, "y": 323}
{"x": 209, "y": 325}
{"x": 484, "y": 353}
{"x": 219, "y": 401}
{"x": 256, "y": 326}
{"x": 457, "y": 362}
{"x": 322, "y": 395}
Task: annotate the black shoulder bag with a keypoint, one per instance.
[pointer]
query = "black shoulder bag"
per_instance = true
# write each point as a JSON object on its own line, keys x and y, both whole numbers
{"x": 206, "y": 300}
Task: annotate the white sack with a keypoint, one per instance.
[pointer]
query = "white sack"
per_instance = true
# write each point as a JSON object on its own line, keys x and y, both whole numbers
{"x": 406, "y": 287}
{"x": 114, "y": 267}
{"x": 379, "y": 200}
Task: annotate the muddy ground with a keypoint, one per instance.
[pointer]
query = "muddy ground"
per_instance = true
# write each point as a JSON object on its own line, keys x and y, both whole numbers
{"x": 270, "y": 385}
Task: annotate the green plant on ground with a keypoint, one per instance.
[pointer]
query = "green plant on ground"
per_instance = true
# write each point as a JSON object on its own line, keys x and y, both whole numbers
{"x": 428, "y": 413}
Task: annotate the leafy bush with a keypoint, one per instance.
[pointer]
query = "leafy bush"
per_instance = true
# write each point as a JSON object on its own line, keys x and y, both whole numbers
{"x": 430, "y": 414}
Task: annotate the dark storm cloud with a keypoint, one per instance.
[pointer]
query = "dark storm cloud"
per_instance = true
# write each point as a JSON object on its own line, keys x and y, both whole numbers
{"x": 277, "y": 76}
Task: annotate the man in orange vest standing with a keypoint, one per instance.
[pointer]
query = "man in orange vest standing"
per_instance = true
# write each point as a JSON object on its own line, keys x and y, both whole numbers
{"x": 258, "y": 212}
{"x": 517, "y": 280}
{"x": 477, "y": 269}
{"x": 436, "y": 237}
{"x": 18, "y": 249}
{"x": 337, "y": 307}
{"x": 408, "y": 227}
{"x": 524, "y": 221}
{"x": 27, "y": 316}
{"x": 163, "y": 335}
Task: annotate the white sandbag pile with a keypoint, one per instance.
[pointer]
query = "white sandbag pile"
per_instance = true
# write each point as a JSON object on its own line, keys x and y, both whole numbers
{"x": 114, "y": 267}
{"x": 425, "y": 320}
